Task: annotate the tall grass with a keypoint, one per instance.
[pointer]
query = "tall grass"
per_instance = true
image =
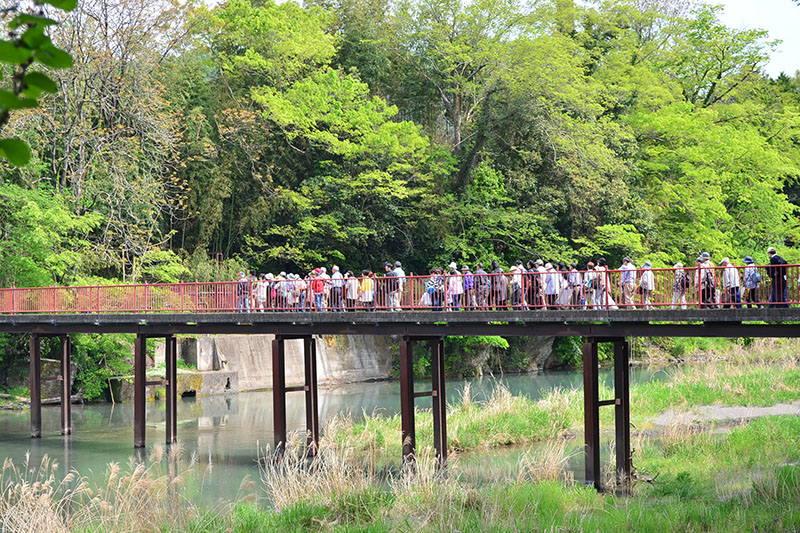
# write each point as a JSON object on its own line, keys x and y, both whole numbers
{"x": 137, "y": 497}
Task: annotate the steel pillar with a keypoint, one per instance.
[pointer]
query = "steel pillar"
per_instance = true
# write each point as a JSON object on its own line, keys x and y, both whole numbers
{"x": 439, "y": 400}
{"x": 591, "y": 413}
{"x": 407, "y": 401}
{"x": 36, "y": 386}
{"x": 312, "y": 409}
{"x": 171, "y": 363}
{"x": 622, "y": 414}
{"x": 139, "y": 390}
{"x": 66, "y": 387}
{"x": 279, "y": 395}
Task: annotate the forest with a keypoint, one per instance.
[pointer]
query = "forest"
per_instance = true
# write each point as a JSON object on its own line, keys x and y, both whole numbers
{"x": 189, "y": 141}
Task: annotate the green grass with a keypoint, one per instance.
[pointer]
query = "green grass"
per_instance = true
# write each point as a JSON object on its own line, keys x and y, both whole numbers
{"x": 512, "y": 420}
{"x": 747, "y": 480}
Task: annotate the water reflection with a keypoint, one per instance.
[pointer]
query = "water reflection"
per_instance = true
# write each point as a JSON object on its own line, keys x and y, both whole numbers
{"x": 225, "y": 433}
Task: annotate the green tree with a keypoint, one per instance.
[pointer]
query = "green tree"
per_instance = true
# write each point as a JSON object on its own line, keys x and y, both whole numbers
{"x": 27, "y": 44}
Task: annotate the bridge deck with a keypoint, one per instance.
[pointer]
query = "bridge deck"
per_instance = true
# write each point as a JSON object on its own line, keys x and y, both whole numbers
{"x": 761, "y": 322}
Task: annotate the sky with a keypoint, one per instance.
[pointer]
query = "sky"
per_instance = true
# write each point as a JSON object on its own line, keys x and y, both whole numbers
{"x": 781, "y": 18}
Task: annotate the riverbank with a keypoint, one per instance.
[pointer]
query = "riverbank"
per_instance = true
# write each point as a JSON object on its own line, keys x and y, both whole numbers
{"x": 746, "y": 479}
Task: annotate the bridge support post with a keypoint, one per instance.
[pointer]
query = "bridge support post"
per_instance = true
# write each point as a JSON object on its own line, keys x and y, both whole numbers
{"x": 439, "y": 400}
{"x": 278, "y": 395}
{"x": 591, "y": 414}
{"x": 171, "y": 363}
{"x": 139, "y": 389}
{"x": 66, "y": 386}
{"x": 622, "y": 414}
{"x": 407, "y": 401}
{"x": 312, "y": 409}
{"x": 36, "y": 387}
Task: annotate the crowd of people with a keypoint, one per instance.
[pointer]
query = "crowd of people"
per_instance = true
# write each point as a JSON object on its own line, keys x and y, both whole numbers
{"x": 533, "y": 285}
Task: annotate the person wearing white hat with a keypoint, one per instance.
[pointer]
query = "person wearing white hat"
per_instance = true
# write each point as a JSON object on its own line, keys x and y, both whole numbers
{"x": 730, "y": 285}
{"x": 455, "y": 288}
{"x": 552, "y": 286}
{"x": 647, "y": 283}
{"x": 680, "y": 286}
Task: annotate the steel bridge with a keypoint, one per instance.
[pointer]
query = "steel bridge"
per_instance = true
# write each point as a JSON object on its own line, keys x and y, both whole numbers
{"x": 595, "y": 326}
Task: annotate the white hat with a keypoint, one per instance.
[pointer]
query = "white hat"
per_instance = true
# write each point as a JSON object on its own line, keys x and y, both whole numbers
{"x": 548, "y": 266}
{"x": 453, "y": 265}
{"x": 270, "y": 276}
{"x": 724, "y": 260}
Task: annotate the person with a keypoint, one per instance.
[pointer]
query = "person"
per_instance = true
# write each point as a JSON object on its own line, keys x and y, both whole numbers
{"x": 429, "y": 296}
{"x": 391, "y": 287}
{"x": 301, "y": 289}
{"x": 499, "y": 287}
{"x": 516, "y": 285}
{"x": 470, "y": 301}
{"x": 602, "y": 283}
{"x": 731, "y": 284}
{"x": 261, "y": 293}
{"x": 590, "y": 286}
{"x": 253, "y": 279}
{"x": 552, "y": 286}
{"x": 541, "y": 276}
{"x": 439, "y": 299}
{"x": 752, "y": 282}
{"x": 401, "y": 278}
{"x": 482, "y": 286}
{"x": 326, "y": 279}
{"x": 708, "y": 281}
{"x": 628, "y": 282}
{"x": 564, "y": 291}
{"x": 337, "y": 289}
{"x": 531, "y": 284}
{"x": 367, "y": 290}
{"x": 777, "y": 273}
{"x": 318, "y": 290}
{"x": 576, "y": 285}
{"x": 647, "y": 283}
{"x": 243, "y": 287}
{"x": 351, "y": 290}
{"x": 455, "y": 288}
{"x": 272, "y": 294}
{"x": 679, "y": 287}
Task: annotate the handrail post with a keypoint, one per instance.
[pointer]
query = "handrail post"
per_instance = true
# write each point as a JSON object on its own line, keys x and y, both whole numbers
{"x": 13, "y": 294}
{"x": 146, "y": 304}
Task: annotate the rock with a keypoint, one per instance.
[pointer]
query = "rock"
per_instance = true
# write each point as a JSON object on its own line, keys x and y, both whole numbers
{"x": 540, "y": 351}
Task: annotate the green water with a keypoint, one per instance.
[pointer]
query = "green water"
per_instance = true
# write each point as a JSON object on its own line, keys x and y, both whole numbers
{"x": 225, "y": 433}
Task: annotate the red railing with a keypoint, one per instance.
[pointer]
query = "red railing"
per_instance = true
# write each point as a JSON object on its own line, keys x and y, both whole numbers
{"x": 724, "y": 287}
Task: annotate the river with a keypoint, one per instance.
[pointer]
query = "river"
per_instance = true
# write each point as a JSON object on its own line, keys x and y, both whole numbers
{"x": 225, "y": 433}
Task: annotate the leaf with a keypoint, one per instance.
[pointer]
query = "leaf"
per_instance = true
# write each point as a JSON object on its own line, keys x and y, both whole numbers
{"x": 16, "y": 151}
{"x": 66, "y": 5}
{"x": 37, "y": 79}
{"x": 53, "y": 57}
{"x": 9, "y": 100}
{"x": 11, "y": 53}
{"x": 25, "y": 18}
{"x": 35, "y": 39}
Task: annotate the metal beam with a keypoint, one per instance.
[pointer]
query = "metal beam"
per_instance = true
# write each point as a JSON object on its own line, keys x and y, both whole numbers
{"x": 139, "y": 390}
{"x": 66, "y": 386}
{"x": 279, "y": 395}
{"x": 591, "y": 414}
{"x": 622, "y": 414}
{"x": 407, "y": 401}
{"x": 171, "y": 364}
{"x": 36, "y": 386}
{"x": 564, "y": 329}
{"x": 439, "y": 400}
{"x": 312, "y": 407}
